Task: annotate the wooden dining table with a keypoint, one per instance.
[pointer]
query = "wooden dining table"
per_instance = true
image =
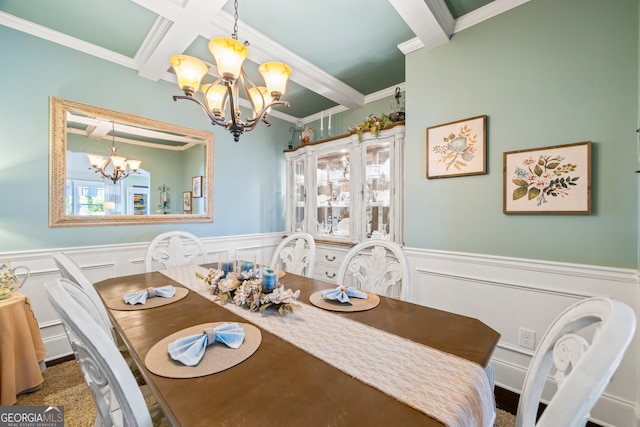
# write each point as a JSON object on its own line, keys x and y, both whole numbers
{"x": 281, "y": 384}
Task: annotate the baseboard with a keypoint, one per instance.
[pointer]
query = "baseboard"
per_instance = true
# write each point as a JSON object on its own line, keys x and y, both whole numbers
{"x": 508, "y": 401}
{"x": 60, "y": 360}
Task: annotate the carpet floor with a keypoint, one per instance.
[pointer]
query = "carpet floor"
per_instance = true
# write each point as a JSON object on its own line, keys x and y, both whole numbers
{"x": 64, "y": 386}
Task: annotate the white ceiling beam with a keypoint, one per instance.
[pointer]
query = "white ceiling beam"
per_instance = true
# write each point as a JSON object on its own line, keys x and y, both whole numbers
{"x": 172, "y": 34}
{"x": 176, "y": 28}
{"x": 263, "y": 49}
{"x": 487, "y": 11}
{"x": 477, "y": 16}
{"x": 430, "y": 20}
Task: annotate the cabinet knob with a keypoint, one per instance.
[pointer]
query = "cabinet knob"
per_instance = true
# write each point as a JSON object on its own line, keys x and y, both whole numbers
{"x": 330, "y": 276}
{"x": 333, "y": 258}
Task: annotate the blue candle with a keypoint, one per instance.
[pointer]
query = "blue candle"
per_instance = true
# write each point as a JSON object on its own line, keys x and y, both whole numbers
{"x": 246, "y": 266}
{"x": 268, "y": 279}
{"x": 226, "y": 267}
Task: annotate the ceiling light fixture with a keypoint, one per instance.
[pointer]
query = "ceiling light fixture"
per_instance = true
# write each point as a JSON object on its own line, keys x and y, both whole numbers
{"x": 229, "y": 54}
{"x": 122, "y": 167}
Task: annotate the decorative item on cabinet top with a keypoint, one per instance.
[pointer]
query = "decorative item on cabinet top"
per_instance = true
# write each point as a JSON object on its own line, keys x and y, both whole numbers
{"x": 397, "y": 107}
{"x": 352, "y": 131}
{"x": 373, "y": 124}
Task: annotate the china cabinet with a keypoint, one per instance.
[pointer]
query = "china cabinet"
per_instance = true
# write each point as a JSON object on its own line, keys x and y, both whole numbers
{"x": 344, "y": 190}
{"x": 137, "y": 201}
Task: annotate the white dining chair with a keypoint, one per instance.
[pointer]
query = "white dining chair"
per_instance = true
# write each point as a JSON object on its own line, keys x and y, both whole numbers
{"x": 378, "y": 266}
{"x": 582, "y": 368}
{"x": 175, "y": 249}
{"x": 114, "y": 389}
{"x": 296, "y": 254}
{"x": 71, "y": 271}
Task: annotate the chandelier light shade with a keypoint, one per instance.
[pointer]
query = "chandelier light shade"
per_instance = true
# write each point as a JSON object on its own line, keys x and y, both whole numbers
{"x": 190, "y": 71}
{"x": 121, "y": 167}
{"x": 215, "y": 95}
{"x": 229, "y": 55}
{"x": 260, "y": 97}
{"x": 275, "y": 75}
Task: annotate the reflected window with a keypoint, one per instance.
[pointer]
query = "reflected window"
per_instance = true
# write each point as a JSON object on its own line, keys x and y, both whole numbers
{"x": 85, "y": 198}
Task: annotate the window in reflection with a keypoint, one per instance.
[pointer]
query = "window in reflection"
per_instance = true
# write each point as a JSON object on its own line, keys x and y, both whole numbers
{"x": 84, "y": 198}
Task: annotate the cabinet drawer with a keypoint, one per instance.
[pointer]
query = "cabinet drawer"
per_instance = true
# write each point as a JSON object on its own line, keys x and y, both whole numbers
{"x": 329, "y": 256}
{"x": 326, "y": 272}
{"x": 328, "y": 261}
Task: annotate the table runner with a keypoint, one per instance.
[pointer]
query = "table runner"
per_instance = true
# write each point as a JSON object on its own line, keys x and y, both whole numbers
{"x": 446, "y": 387}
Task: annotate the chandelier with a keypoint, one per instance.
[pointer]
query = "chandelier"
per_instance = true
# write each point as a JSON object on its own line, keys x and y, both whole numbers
{"x": 121, "y": 167}
{"x": 229, "y": 54}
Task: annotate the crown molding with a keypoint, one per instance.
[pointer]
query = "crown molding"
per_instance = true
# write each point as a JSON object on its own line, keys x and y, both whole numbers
{"x": 465, "y": 21}
{"x": 65, "y": 40}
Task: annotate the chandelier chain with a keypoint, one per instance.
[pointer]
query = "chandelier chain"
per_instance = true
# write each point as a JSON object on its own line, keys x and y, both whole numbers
{"x": 235, "y": 19}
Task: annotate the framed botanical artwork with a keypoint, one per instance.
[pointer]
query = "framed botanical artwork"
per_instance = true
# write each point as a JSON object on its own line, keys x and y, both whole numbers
{"x": 186, "y": 201}
{"x": 196, "y": 186}
{"x": 458, "y": 148}
{"x": 553, "y": 179}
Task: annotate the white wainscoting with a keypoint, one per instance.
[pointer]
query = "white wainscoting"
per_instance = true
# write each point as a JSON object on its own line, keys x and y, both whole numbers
{"x": 509, "y": 293}
{"x": 505, "y": 293}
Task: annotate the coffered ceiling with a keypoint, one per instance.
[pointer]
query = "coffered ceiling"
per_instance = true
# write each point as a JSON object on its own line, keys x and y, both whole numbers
{"x": 343, "y": 52}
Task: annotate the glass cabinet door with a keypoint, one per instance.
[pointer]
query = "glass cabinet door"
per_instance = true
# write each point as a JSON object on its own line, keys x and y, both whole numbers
{"x": 299, "y": 194}
{"x": 333, "y": 194}
{"x": 377, "y": 189}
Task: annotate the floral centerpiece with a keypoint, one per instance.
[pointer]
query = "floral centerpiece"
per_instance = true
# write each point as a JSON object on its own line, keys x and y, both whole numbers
{"x": 373, "y": 124}
{"x": 245, "y": 290}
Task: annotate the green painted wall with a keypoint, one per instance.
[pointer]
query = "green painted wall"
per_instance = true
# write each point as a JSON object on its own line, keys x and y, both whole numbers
{"x": 546, "y": 73}
{"x": 248, "y": 189}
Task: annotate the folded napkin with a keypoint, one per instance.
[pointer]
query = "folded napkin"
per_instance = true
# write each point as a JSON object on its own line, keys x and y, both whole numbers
{"x": 190, "y": 350}
{"x": 342, "y": 294}
{"x": 140, "y": 297}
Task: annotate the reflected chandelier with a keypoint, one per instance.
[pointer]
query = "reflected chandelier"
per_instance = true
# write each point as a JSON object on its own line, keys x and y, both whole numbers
{"x": 122, "y": 167}
{"x": 229, "y": 54}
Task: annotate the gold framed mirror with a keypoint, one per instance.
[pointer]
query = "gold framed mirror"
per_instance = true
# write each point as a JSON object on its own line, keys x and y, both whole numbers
{"x": 85, "y": 139}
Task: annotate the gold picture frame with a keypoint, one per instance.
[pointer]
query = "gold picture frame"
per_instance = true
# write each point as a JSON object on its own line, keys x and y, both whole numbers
{"x": 548, "y": 180}
{"x": 457, "y": 148}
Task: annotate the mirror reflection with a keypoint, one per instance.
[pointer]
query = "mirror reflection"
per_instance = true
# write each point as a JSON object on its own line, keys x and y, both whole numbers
{"x": 109, "y": 167}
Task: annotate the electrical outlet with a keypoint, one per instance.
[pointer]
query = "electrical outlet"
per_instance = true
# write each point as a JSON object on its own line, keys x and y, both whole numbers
{"x": 527, "y": 338}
